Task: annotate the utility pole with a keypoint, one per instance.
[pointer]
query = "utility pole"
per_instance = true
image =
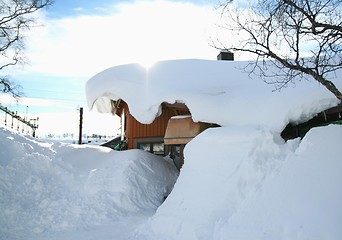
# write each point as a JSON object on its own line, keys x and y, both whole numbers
{"x": 81, "y": 123}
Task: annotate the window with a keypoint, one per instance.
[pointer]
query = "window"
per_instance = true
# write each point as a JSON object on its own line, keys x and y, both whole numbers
{"x": 155, "y": 148}
{"x": 158, "y": 148}
{"x": 145, "y": 146}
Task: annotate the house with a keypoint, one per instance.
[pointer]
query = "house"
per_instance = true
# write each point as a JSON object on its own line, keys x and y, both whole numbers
{"x": 166, "y": 135}
{"x": 164, "y": 107}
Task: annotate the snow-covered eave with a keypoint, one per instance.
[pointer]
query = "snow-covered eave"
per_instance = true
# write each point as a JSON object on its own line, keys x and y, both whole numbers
{"x": 101, "y": 89}
{"x": 214, "y": 91}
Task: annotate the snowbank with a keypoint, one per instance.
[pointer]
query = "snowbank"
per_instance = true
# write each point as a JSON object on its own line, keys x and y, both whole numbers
{"x": 48, "y": 188}
{"x": 302, "y": 201}
{"x": 250, "y": 184}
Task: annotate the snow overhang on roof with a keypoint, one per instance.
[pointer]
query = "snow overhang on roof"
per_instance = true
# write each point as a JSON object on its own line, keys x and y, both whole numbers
{"x": 215, "y": 91}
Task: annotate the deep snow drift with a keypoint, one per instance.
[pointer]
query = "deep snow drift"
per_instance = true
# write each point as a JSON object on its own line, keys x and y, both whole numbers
{"x": 249, "y": 185}
{"x": 301, "y": 201}
{"x": 50, "y": 188}
{"x": 252, "y": 185}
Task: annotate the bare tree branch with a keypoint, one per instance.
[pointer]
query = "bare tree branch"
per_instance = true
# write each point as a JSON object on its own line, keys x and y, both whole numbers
{"x": 300, "y": 38}
{"x": 9, "y": 87}
{"x": 15, "y": 16}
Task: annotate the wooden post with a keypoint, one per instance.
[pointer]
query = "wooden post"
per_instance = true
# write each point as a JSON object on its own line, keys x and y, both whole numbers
{"x": 81, "y": 123}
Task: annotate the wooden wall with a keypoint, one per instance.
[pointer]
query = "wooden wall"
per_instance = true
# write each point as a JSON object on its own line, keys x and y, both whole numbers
{"x": 135, "y": 129}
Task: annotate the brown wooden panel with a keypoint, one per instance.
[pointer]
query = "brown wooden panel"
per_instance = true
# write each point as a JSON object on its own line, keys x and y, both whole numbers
{"x": 182, "y": 130}
{"x": 135, "y": 129}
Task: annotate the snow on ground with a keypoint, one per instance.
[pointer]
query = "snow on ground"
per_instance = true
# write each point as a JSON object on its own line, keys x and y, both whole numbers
{"x": 59, "y": 191}
{"x": 226, "y": 167}
{"x": 252, "y": 185}
{"x": 302, "y": 201}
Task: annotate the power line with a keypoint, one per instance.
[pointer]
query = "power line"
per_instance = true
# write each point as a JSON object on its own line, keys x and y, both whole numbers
{"x": 43, "y": 90}
{"x": 61, "y": 99}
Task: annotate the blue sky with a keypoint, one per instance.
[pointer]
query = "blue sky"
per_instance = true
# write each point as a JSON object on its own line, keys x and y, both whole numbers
{"x": 62, "y": 8}
{"x": 79, "y": 38}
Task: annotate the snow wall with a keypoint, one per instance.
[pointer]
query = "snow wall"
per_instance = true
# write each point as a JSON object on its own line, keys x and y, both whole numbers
{"x": 252, "y": 185}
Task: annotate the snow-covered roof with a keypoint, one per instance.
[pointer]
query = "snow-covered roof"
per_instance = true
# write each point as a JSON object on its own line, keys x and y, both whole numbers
{"x": 215, "y": 91}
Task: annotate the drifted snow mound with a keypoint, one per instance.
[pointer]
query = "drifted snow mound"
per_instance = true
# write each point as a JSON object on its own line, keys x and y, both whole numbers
{"x": 242, "y": 184}
{"x": 303, "y": 201}
{"x": 47, "y": 187}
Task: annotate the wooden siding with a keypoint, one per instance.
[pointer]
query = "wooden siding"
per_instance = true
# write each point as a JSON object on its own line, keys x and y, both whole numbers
{"x": 135, "y": 129}
{"x": 183, "y": 130}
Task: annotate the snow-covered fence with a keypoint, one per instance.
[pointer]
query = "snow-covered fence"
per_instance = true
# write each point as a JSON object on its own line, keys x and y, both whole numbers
{"x": 13, "y": 120}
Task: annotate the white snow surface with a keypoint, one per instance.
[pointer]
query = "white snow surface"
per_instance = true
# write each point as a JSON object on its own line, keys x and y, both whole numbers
{"x": 47, "y": 189}
{"x": 248, "y": 185}
{"x": 241, "y": 181}
{"x": 219, "y": 92}
{"x": 244, "y": 184}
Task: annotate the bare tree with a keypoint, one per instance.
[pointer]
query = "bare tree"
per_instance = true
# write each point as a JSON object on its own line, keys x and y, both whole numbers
{"x": 15, "y": 17}
{"x": 299, "y": 37}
